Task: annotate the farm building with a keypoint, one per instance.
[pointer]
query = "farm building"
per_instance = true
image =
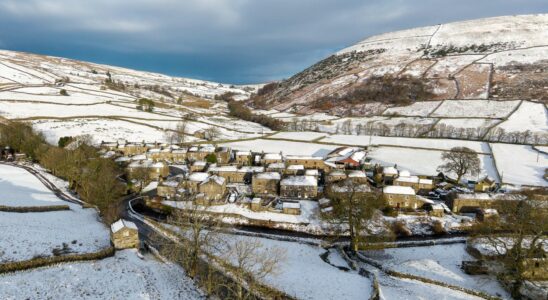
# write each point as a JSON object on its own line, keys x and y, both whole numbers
{"x": 124, "y": 234}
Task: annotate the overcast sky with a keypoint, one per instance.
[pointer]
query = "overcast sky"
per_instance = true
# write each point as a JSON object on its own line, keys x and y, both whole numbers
{"x": 233, "y": 41}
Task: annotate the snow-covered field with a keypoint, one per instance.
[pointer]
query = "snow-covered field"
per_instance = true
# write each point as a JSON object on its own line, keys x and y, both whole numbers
{"x": 99, "y": 129}
{"x": 439, "y": 262}
{"x": 287, "y": 148}
{"x": 475, "y": 108}
{"x": 529, "y": 116}
{"x": 417, "y": 109}
{"x": 26, "y": 235}
{"x": 520, "y": 164}
{"x": 304, "y": 275}
{"x": 299, "y": 135}
{"x": 419, "y": 161}
{"x": 20, "y": 188}
{"x": 439, "y": 144}
{"x": 29, "y": 110}
{"x": 124, "y": 276}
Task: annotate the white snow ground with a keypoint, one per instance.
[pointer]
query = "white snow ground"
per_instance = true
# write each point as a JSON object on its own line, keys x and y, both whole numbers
{"x": 124, "y": 276}
{"x": 26, "y": 235}
{"x": 20, "y": 188}
{"x": 304, "y": 275}
{"x": 439, "y": 262}
{"x": 520, "y": 164}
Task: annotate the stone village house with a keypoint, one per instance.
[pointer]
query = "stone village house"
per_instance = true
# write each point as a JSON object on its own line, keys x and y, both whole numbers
{"x": 265, "y": 183}
{"x": 303, "y": 187}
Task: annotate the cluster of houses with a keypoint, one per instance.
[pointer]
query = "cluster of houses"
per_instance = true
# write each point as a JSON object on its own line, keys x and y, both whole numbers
{"x": 211, "y": 175}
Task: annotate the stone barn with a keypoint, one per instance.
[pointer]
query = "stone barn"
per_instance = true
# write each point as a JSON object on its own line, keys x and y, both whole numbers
{"x": 124, "y": 234}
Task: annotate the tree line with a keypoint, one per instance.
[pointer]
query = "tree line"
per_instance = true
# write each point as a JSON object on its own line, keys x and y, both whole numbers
{"x": 239, "y": 110}
{"x": 95, "y": 179}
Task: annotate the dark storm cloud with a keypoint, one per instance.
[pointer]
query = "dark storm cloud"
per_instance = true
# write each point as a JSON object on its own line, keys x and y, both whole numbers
{"x": 223, "y": 40}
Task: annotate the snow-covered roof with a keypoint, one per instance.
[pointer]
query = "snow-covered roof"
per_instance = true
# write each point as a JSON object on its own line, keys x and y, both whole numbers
{"x": 491, "y": 197}
{"x": 295, "y": 167}
{"x": 223, "y": 169}
{"x": 312, "y": 172}
{"x": 272, "y": 156}
{"x": 324, "y": 201}
{"x": 356, "y": 174}
{"x": 251, "y": 169}
{"x": 298, "y": 157}
{"x": 437, "y": 206}
{"x": 291, "y": 205}
{"x": 327, "y": 209}
{"x": 402, "y": 190}
{"x": 122, "y": 159}
{"x": 207, "y": 149}
{"x": 139, "y": 157}
{"x": 268, "y": 176}
{"x": 425, "y": 200}
{"x": 159, "y": 164}
{"x": 243, "y": 153}
{"x": 411, "y": 179}
{"x": 118, "y": 225}
{"x": 405, "y": 173}
{"x": 141, "y": 164}
{"x": 198, "y": 176}
{"x": 170, "y": 183}
{"x": 217, "y": 179}
{"x": 155, "y": 150}
{"x": 199, "y": 163}
{"x": 390, "y": 171}
{"x": 342, "y": 151}
{"x": 337, "y": 172}
{"x": 278, "y": 165}
{"x": 425, "y": 181}
{"x": 256, "y": 201}
{"x": 300, "y": 180}
{"x": 358, "y": 155}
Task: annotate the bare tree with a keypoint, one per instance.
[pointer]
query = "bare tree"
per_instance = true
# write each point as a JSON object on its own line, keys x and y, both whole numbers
{"x": 517, "y": 237}
{"x": 252, "y": 263}
{"x": 199, "y": 234}
{"x": 212, "y": 133}
{"x": 461, "y": 161}
{"x": 141, "y": 176}
{"x": 354, "y": 207}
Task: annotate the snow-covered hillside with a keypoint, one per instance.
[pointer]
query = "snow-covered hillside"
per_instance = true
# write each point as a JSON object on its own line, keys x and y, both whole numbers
{"x": 502, "y": 58}
{"x": 68, "y": 97}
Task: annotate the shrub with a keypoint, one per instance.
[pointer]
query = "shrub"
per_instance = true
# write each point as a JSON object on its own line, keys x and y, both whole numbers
{"x": 64, "y": 141}
{"x": 145, "y": 104}
{"x": 211, "y": 158}
{"x": 399, "y": 228}
{"x": 228, "y": 96}
{"x": 437, "y": 227}
{"x": 63, "y": 92}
